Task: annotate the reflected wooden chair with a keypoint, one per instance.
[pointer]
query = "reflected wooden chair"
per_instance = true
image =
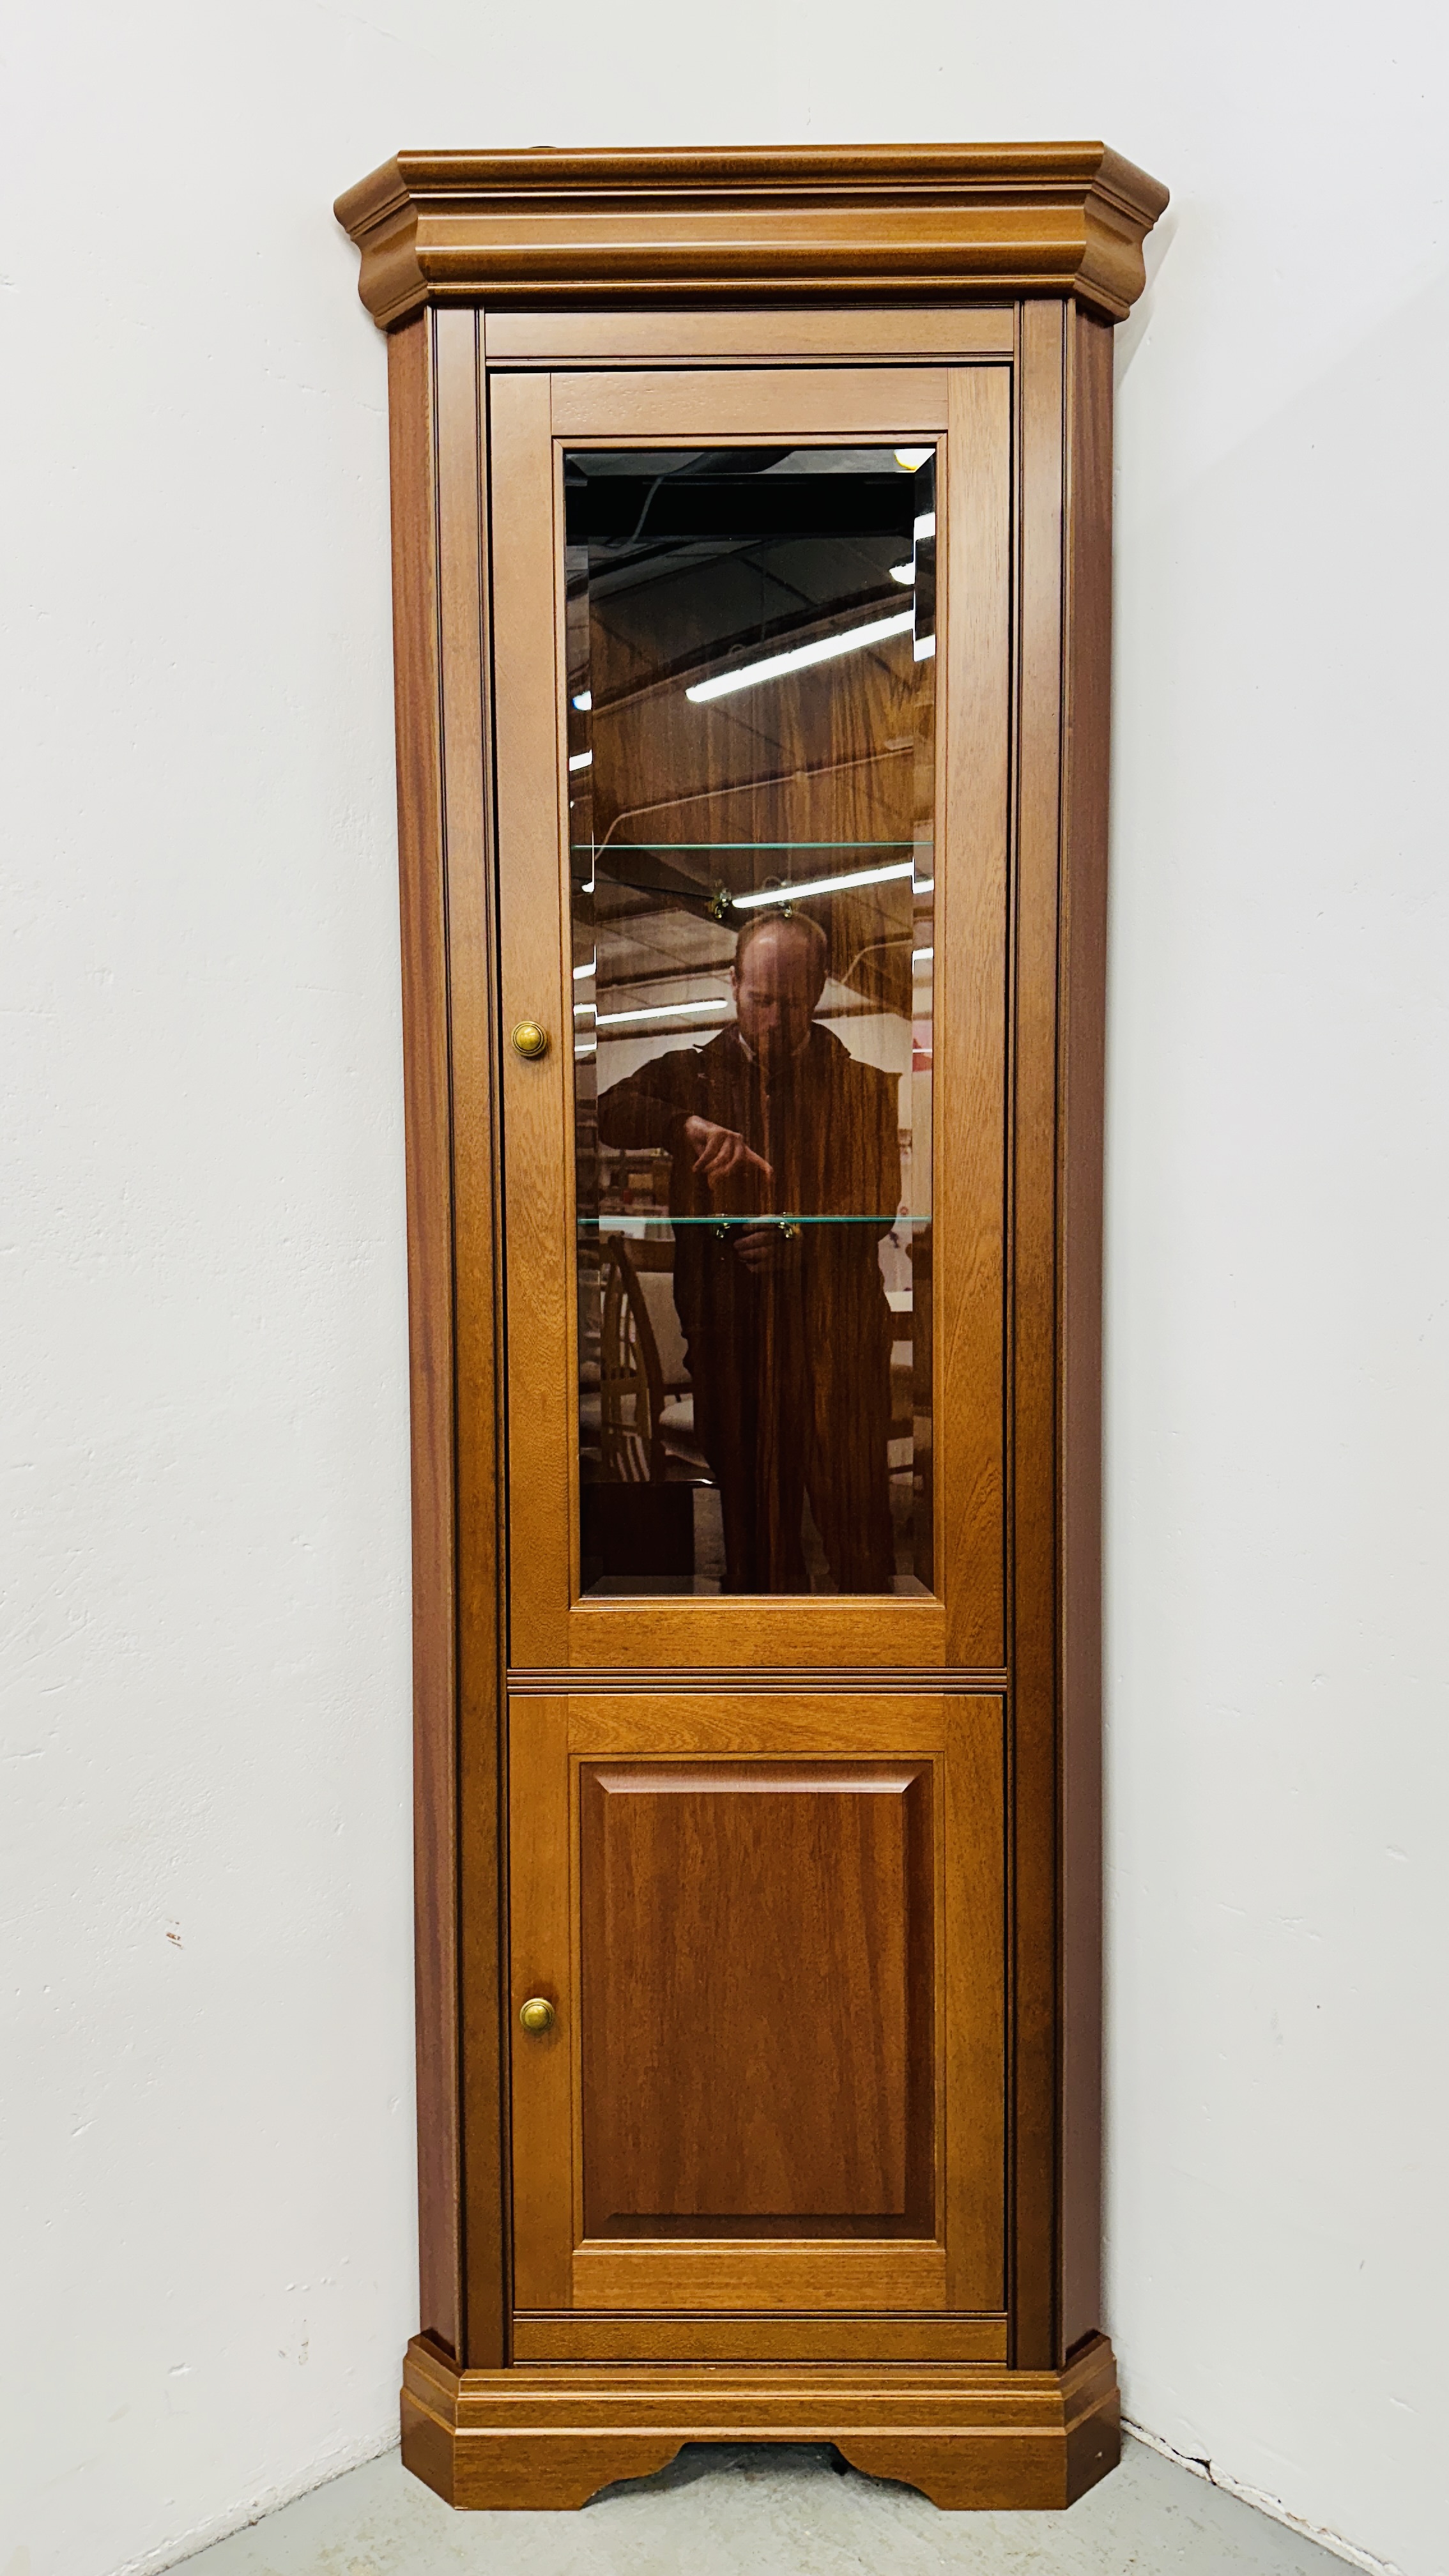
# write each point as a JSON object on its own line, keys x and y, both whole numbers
{"x": 646, "y": 1407}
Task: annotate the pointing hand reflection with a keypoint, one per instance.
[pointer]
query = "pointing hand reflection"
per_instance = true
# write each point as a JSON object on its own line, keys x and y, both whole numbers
{"x": 719, "y": 1151}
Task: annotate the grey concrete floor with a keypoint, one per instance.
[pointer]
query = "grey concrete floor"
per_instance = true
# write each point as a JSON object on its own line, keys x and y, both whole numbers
{"x": 718, "y": 2510}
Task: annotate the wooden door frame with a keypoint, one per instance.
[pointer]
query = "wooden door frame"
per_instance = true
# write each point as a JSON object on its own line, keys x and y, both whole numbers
{"x": 1061, "y": 358}
{"x": 961, "y": 1625}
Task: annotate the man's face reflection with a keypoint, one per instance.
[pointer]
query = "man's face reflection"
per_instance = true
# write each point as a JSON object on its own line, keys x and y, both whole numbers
{"x": 777, "y": 987}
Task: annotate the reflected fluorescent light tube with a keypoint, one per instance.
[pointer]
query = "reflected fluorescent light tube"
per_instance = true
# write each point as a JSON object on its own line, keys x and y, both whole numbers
{"x": 826, "y": 648}
{"x": 580, "y": 760}
{"x": 925, "y": 648}
{"x": 583, "y": 701}
{"x": 925, "y": 526}
{"x": 659, "y": 1011}
{"x": 580, "y": 972}
{"x": 823, "y": 885}
{"x": 903, "y": 572}
{"x": 922, "y": 956}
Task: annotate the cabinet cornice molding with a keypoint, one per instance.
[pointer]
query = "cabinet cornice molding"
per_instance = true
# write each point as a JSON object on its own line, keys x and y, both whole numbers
{"x": 889, "y": 222}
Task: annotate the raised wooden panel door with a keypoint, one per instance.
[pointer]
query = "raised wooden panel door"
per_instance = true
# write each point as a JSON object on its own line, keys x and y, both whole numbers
{"x": 770, "y": 1929}
{"x": 757, "y": 2007}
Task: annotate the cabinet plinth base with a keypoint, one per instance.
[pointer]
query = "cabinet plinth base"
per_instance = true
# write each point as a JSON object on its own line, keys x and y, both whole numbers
{"x": 971, "y": 2435}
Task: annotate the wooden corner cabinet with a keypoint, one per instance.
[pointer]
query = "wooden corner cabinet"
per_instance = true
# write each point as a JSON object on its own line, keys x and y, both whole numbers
{"x": 752, "y": 571}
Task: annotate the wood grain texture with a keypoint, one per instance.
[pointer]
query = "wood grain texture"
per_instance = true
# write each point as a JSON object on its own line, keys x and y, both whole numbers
{"x": 682, "y": 2336}
{"x": 534, "y": 973}
{"x": 762, "y": 2272}
{"x": 1088, "y": 717}
{"x": 826, "y": 1630}
{"x": 430, "y": 1318}
{"x": 850, "y": 223}
{"x": 970, "y": 2434}
{"x": 1035, "y": 1850}
{"x": 632, "y": 338}
{"x": 973, "y": 2004}
{"x": 759, "y": 1997}
{"x": 542, "y": 1955}
{"x": 971, "y": 895}
{"x": 799, "y": 402}
{"x": 700, "y": 1725}
{"x": 429, "y": 2446}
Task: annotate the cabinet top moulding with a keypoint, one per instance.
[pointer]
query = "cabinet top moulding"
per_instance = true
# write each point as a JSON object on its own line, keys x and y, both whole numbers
{"x": 932, "y": 222}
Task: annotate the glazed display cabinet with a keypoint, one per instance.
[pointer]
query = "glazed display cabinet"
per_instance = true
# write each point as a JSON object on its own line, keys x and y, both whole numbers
{"x": 752, "y": 570}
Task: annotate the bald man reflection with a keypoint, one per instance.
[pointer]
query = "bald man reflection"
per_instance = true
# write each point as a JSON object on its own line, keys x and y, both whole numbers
{"x": 788, "y": 1328}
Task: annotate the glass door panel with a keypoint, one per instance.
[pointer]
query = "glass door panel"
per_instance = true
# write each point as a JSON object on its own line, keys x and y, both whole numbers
{"x": 751, "y": 760}
{"x": 752, "y": 835}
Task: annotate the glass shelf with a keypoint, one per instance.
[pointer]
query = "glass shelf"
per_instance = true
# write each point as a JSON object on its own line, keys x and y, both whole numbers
{"x": 616, "y": 1224}
{"x": 601, "y": 849}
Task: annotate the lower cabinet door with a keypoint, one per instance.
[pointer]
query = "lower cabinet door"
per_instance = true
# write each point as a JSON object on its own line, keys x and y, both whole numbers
{"x": 768, "y": 1932}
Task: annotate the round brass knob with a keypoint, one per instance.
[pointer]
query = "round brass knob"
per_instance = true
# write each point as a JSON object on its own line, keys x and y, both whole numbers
{"x": 536, "y": 2015}
{"x": 530, "y": 1040}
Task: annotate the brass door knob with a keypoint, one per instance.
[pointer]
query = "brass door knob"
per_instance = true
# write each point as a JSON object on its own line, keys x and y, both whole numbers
{"x": 537, "y": 2015}
{"x": 530, "y": 1040}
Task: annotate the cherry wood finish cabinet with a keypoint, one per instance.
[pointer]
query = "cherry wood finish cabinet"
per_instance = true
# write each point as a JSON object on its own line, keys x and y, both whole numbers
{"x": 752, "y": 569}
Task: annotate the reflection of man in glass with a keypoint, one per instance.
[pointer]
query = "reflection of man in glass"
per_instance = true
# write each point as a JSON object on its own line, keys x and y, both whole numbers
{"x": 788, "y": 1326}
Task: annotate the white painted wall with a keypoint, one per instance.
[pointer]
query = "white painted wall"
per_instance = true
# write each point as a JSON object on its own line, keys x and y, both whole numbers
{"x": 207, "y": 2049}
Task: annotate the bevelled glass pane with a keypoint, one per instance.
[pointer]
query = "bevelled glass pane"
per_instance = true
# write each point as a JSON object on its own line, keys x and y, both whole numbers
{"x": 751, "y": 645}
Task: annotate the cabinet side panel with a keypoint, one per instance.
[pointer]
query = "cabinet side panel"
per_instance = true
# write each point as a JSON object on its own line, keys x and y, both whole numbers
{"x": 430, "y": 1321}
{"x": 472, "y": 1026}
{"x": 1035, "y": 1354}
{"x": 1084, "y": 930}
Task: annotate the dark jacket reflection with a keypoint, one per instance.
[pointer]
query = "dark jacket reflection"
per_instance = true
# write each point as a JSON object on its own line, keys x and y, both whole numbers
{"x": 788, "y": 1329}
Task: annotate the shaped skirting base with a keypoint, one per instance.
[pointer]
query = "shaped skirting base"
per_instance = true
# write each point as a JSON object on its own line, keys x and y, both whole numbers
{"x": 969, "y": 2434}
